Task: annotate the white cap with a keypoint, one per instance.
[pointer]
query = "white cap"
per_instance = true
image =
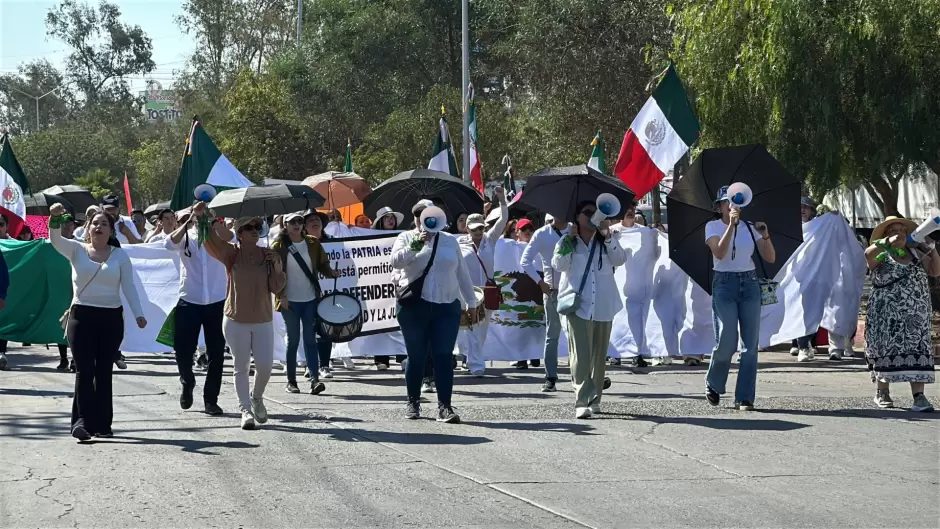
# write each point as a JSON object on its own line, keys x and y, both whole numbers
{"x": 295, "y": 215}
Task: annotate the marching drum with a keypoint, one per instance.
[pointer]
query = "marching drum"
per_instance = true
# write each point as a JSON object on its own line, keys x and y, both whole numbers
{"x": 476, "y": 315}
{"x": 339, "y": 317}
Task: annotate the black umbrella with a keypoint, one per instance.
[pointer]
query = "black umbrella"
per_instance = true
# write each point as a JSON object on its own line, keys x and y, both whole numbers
{"x": 39, "y": 204}
{"x": 402, "y": 191}
{"x": 156, "y": 208}
{"x": 80, "y": 197}
{"x": 263, "y": 201}
{"x": 691, "y": 205}
{"x": 558, "y": 190}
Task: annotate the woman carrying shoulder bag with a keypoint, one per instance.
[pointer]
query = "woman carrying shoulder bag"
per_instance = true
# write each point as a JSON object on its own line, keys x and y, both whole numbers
{"x": 300, "y": 255}
{"x": 95, "y": 321}
{"x": 588, "y": 296}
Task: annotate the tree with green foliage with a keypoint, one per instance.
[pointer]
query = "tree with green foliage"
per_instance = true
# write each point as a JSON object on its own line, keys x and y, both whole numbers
{"x": 841, "y": 92}
{"x": 98, "y": 182}
{"x": 18, "y": 108}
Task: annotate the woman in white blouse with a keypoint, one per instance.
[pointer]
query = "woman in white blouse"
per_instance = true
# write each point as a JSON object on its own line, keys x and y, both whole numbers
{"x": 430, "y": 319}
{"x": 587, "y": 256}
{"x": 95, "y": 328}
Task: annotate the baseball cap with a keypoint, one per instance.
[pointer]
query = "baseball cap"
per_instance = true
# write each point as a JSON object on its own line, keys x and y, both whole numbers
{"x": 808, "y": 202}
{"x": 291, "y": 216}
{"x": 523, "y": 223}
{"x": 722, "y": 195}
{"x": 110, "y": 200}
{"x": 421, "y": 204}
{"x": 475, "y": 221}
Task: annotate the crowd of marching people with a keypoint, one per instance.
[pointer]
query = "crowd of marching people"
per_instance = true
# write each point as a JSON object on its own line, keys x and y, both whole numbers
{"x": 445, "y": 277}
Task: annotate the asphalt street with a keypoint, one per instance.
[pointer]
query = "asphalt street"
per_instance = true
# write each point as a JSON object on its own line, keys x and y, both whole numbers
{"x": 818, "y": 453}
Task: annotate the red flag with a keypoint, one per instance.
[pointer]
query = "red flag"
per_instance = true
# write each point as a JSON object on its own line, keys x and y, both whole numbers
{"x": 127, "y": 194}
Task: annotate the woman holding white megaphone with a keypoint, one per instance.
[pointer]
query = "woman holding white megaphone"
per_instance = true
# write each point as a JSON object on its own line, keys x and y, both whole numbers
{"x": 736, "y": 294}
{"x": 434, "y": 289}
{"x": 897, "y": 330}
{"x": 589, "y": 298}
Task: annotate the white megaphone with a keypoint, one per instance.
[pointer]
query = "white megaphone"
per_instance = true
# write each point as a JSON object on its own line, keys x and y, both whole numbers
{"x": 205, "y": 193}
{"x": 607, "y": 206}
{"x": 433, "y": 219}
{"x": 929, "y": 226}
{"x": 740, "y": 194}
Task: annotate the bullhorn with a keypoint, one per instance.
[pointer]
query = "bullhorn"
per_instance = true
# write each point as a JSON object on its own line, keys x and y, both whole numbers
{"x": 433, "y": 219}
{"x": 607, "y": 206}
{"x": 205, "y": 192}
{"x": 740, "y": 194}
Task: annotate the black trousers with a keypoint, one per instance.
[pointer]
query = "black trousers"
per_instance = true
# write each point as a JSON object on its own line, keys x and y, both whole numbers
{"x": 189, "y": 319}
{"x": 3, "y": 346}
{"x": 324, "y": 351}
{"x": 95, "y": 335}
{"x": 387, "y": 360}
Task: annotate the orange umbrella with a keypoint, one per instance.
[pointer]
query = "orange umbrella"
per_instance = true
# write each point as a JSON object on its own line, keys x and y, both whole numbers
{"x": 339, "y": 189}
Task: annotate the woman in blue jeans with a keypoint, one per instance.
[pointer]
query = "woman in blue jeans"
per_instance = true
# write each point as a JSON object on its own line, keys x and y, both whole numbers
{"x": 430, "y": 319}
{"x": 302, "y": 257}
{"x": 736, "y": 300}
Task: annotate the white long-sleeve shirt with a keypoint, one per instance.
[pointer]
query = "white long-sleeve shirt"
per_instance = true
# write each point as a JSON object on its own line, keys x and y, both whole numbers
{"x": 541, "y": 247}
{"x": 447, "y": 280}
{"x": 104, "y": 291}
{"x": 600, "y": 299}
{"x": 486, "y": 251}
{"x": 202, "y": 277}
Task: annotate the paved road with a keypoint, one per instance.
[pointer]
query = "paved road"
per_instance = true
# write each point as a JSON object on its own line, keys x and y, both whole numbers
{"x": 818, "y": 455}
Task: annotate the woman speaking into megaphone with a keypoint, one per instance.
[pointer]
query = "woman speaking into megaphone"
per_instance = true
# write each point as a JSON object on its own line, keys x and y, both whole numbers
{"x": 430, "y": 304}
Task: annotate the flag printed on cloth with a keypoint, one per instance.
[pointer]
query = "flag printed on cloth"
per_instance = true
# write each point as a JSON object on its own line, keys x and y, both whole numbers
{"x": 348, "y": 166}
{"x": 442, "y": 157}
{"x": 13, "y": 188}
{"x": 661, "y": 133}
{"x": 596, "y": 161}
{"x": 204, "y": 164}
{"x": 476, "y": 166}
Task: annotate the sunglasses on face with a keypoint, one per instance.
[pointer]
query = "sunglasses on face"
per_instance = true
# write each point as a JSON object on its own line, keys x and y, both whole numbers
{"x": 296, "y": 222}
{"x": 250, "y": 227}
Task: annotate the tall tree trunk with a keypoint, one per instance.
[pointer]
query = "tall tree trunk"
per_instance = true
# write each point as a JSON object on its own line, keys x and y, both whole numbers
{"x": 886, "y": 189}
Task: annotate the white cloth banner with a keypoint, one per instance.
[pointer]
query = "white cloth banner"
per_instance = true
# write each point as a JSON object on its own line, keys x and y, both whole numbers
{"x": 664, "y": 314}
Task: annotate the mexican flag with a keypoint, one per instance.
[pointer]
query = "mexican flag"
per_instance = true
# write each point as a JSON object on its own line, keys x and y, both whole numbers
{"x": 442, "y": 158}
{"x": 597, "y": 154}
{"x": 661, "y": 133}
{"x": 13, "y": 187}
{"x": 40, "y": 291}
{"x": 476, "y": 167}
{"x": 203, "y": 164}
{"x": 348, "y": 167}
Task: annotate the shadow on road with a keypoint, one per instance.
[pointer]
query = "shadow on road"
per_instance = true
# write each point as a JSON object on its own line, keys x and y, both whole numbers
{"x": 186, "y": 445}
{"x": 560, "y": 427}
{"x": 716, "y": 423}
{"x": 34, "y": 392}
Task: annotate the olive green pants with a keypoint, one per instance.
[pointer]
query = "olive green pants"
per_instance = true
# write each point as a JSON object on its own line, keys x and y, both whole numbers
{"x": 587, "y": 352}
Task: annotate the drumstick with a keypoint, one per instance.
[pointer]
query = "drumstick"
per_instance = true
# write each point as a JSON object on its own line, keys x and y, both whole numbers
{"x": 335, "y": 280}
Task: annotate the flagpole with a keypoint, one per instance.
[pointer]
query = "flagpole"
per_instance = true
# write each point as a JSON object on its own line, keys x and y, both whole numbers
{"x": 300, "y": 21}
{"x": 465, "y": 71}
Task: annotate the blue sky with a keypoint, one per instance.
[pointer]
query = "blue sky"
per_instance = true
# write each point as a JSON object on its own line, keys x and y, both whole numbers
{"x": 23, "y": 35}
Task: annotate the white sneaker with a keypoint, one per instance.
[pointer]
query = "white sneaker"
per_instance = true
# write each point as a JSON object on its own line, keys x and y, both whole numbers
{"x": 794, "y": 351}
{"x": 662, "y": 361}
{"x": 348, "y": 363}
{"x": 381, "y": 367}
{"x": 427, "y": 387}
{"x": 325, "y": 372}
{"x": 258, "y": 409}
{"x": 849, "y": 352}
{"x": 248, "y": 420}
{"x": 805, "y": 355}
{"x": 835, "y": 354}
{"x": 921, "y": 404}
{"x": 583, "y": 413}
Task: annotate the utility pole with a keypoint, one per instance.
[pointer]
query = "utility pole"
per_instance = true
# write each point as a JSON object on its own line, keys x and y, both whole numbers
{"x": 300, "y": 21}
{"x": 50, "y": 92}
{"x": 465, "y": 77}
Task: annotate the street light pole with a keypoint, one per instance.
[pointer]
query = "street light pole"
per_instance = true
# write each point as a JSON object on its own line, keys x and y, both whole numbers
{"x": 50, "y": 92}
{"x": 300, "y": 20}
{"x": 465, "y": 77}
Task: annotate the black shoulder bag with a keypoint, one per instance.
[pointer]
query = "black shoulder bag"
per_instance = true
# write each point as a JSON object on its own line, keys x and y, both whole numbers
{"x": 306, "y": 269}
{"x": 411, "y": 293}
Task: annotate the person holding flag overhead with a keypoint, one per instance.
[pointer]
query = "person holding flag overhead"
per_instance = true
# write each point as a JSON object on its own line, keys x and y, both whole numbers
{"x": 203, "y": 163}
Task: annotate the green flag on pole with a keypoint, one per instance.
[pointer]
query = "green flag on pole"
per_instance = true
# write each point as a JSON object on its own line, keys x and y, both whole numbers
{"x": 348, "y": 168}
{"x": 442, "y": 157}
{"x": 203, "y": 163}
{"x": 597, "y": 154}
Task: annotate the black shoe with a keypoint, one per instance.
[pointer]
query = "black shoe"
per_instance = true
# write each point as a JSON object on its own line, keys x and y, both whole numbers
{"x": 606, "y": 382}
{"x": 535, "y": 363}
{"x": 63, "y": 365}
{"x": 548, "y": 386}
{"x": 639, "y": 361}
{"x": 104, "y": 435}
{"x": 292, "y": 388}
{"x": 413, "y": 411}
{"x": 79, "y": 432}
{"x": 317, "y": 387}
{"x": 213, "y": 409}
{"x": 448, "y": 415}
{"x": 521, "y": 365}
{"x": 202, "y": 362}
{"x": 72, "y": 366}
{"x": 120, "y": 362}
{"x": 712, "y": 396}
{"x": 186, "y": 396}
